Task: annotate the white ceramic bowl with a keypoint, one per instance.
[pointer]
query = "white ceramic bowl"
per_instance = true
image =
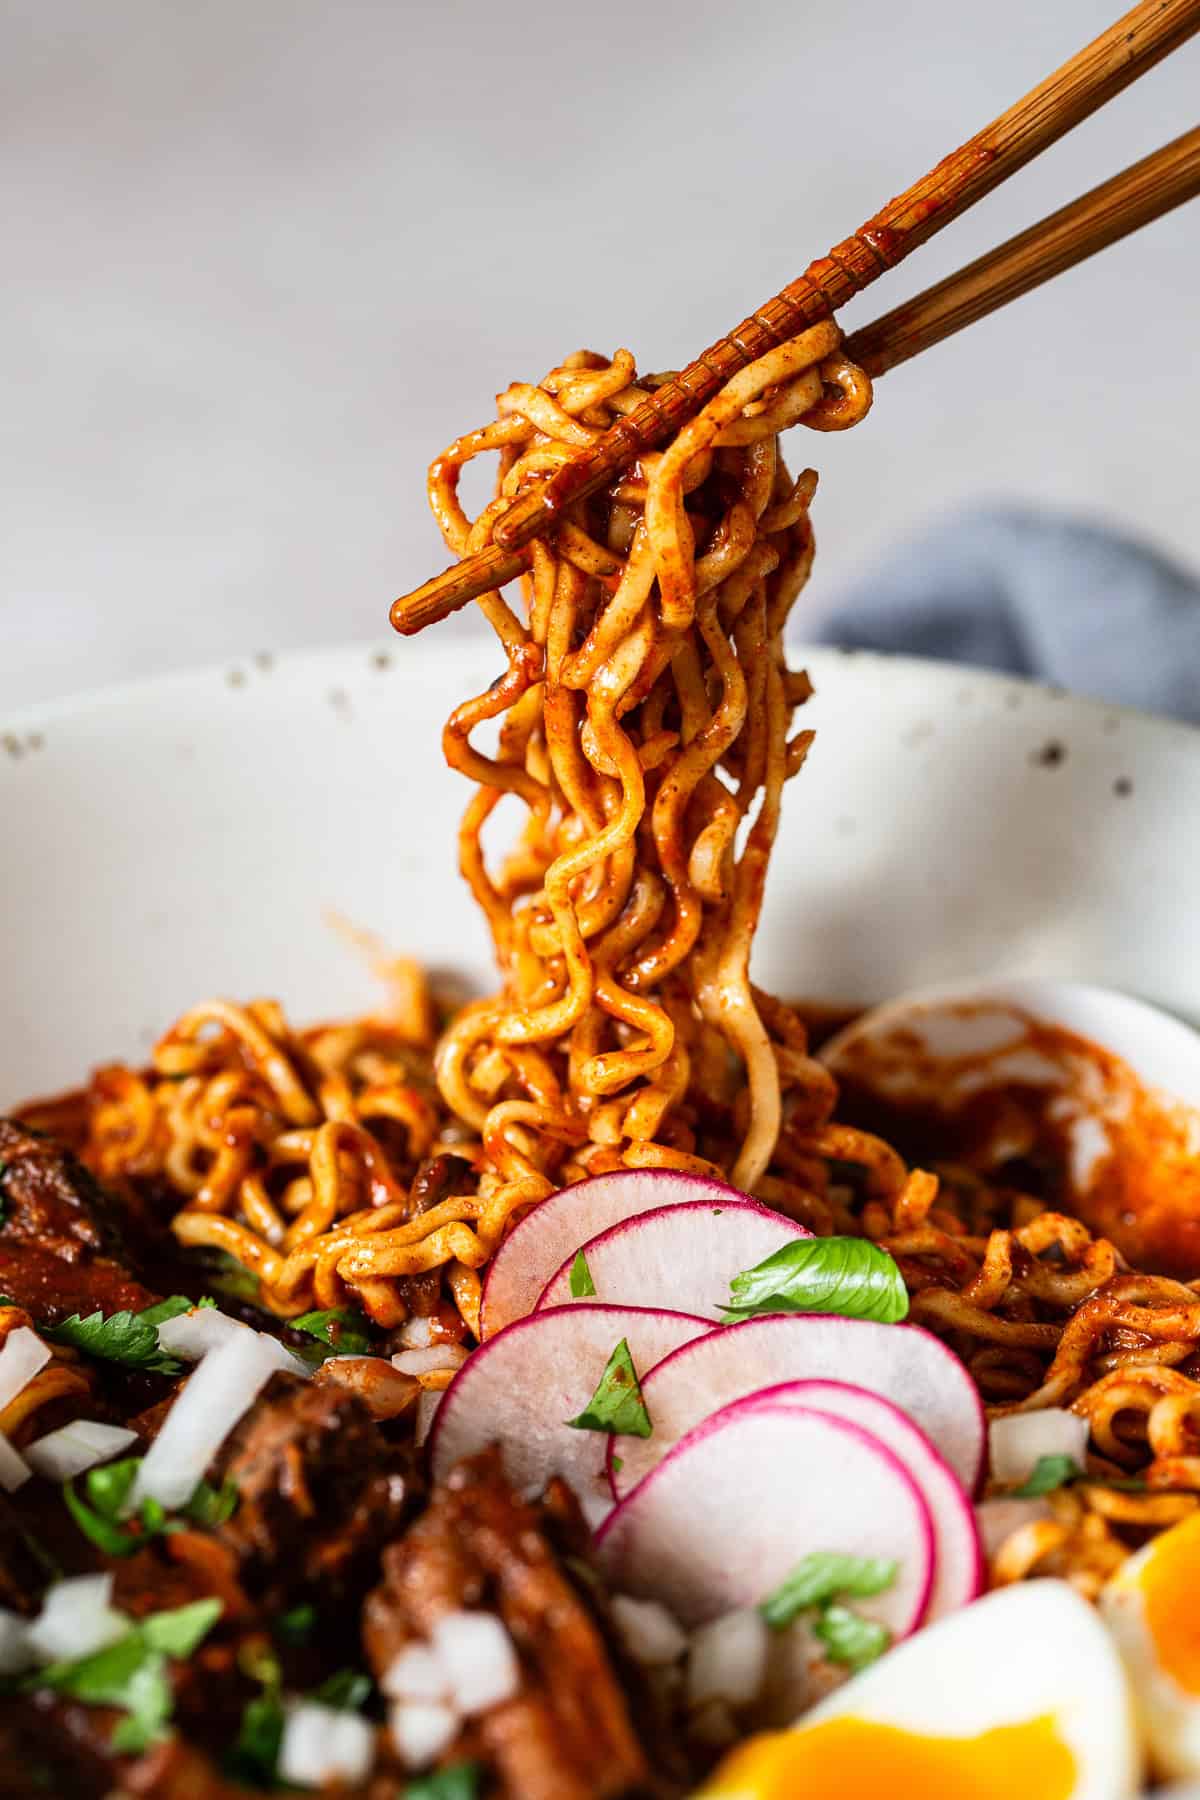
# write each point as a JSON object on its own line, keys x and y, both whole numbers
{"x": 189, "y": 836}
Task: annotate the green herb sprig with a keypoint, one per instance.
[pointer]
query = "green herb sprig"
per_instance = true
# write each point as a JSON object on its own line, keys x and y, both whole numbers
{"x": 846, "y": 1275}
{"x": 617, "y": 1404}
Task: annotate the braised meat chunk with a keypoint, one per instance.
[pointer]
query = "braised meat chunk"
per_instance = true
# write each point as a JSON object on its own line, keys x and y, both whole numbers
{"x": 60, "y": 1247}
{"x": 565, "y": 1732}
{"x": 320, "y": 1491}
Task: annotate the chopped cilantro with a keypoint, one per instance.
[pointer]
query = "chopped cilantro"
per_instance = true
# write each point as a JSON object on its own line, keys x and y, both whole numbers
{"x": 821, "y": 1577}
{"x": 460, "y": 1781}
{"x": 1048, "y": 1473}
{"x": 582, "y": 1285}
{"x": 617, "y": 1404}
{"x": 132, "y": 1673}
{"x": 173, "y": 1308}
{"x": 296, "y": 1625}
{"x": 124, "y": 1337}
{"x": 342, "y": 1329}
{"x": 346, "y": 1690}
{"x": 253, "y": 1756}
{"x": 849, "y": 1638}
{"x": 101, "y": 1515}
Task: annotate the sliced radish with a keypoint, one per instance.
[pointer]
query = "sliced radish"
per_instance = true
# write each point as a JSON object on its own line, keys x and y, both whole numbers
{"x": 681, "y": 1256}
{"x": 901, "y": 1363}
{"x": 750, "y": 1492}
{"x": 521, "y": 1386}
{"x": 558, "y": 1226}
{"x": 958, "y": 1572}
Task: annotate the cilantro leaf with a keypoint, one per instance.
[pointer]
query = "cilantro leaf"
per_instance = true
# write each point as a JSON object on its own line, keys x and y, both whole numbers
{"x": 582, "y": 1285}
{"x": 124, "y": 1337}
{"x": 101, "y": 1516}
{"x": 172, "y": 1308}
{"x": 254, "y": 1754}
{"x": 849, "y": 1638}
{"x": 346, "y": 1690}
{"x": 846, "y": 1275}
{"x": 211, "y": 1506}
{"x": 132, "y": 1673}
{"x": 177, "y": 1632}
{"x": 1048, "y": 1473}
{"x": 296, "y": 1625}
{"x": 821, "y": 1577}
{"x": 342, "y": 1328}
{"x": 460, "y": 1781}
{"x": 617, "y": 1404}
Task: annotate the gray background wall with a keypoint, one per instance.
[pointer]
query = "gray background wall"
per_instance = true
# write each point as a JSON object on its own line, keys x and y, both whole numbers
{"x": 263, "y": 257}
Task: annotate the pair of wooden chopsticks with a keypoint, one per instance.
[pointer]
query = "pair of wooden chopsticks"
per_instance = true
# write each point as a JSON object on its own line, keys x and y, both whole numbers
{"x": 1144, "y": 192}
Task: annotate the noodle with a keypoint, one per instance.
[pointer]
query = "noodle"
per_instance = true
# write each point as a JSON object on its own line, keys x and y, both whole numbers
{"x": 643, "y": 725}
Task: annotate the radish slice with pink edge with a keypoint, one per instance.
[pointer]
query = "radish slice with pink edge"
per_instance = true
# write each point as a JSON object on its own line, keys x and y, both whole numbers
{"x": 682, "y": 1256}
{"x": 558, "y": 1226}
{"x": 901, "y": 1363}
{"x": 750, "y": 1492}
{"x": 521, "y": 1386}
{"x": 958, "y": 1566}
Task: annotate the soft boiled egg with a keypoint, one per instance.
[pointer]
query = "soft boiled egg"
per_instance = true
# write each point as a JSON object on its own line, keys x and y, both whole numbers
{"x": 1020, "y": 1696}
{"x": 1151, "y": 1606}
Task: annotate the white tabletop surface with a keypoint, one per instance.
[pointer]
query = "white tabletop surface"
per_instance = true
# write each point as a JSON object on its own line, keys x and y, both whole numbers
{"x": 262, "y": 260}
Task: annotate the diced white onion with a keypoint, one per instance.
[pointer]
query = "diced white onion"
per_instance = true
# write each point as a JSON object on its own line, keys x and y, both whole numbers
{"x": 431, "y": 1361}
{"x": 193, "y": 1334}
{"x": 67, "y": 1452}
{"x": 415, "y": 1674}
{"x": 428, "y": 1402}
{"x": 22, "y": 1355}
{"x": 224, "y": 1386}
{"x": 728, "y": 1658}
{"x": 14, "y": 1470}
{"x": 77, "y": 1619}
{"x": 479, "y": 1659}
{"x": 417, "y": 1334}
{"x": 998, "y": 1519}
{"x": 321, "y": 1743}
{"x": 421, "y": 1730}
{"x": 1019, "y": 1440}
{"x": 648, "y": 1631}
{"x": 16, "y": 1652}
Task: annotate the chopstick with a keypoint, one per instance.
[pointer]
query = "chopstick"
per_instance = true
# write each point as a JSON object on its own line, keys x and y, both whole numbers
{"x": 1135, "y": 197}
{"x": 1102, "y": 69}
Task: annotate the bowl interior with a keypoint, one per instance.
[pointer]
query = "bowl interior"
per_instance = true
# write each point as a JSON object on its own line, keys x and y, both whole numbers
{"x": 196, "y": 835}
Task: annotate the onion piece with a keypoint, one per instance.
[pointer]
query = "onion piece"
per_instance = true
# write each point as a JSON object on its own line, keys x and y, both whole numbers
{"x": 22, "y": 1355}
{"x": 431, "y": 1361}
{"x": 193, "y": 1334}
{"x": 69, "y": 1451}
{"x": 415, "y": 1673}
{"x": 421, "y": 1730}
{"x": 77, "y": 1619}
{"x": 428, "y": 1402}
{"x": 223, "y": 1387}
{"x": 16, "y": 1652}
{"x": 14, "y": 1470}
{"x": 1018, "y": 1441}
{"x": 321, "y": 1743}
{"x": 999, "y": 1518}
{"x": 479, "y": 1660}
{"x": 728, "y": 1659}
{"x": 652, "y": 1635}
{"x": 417, "y": 1334}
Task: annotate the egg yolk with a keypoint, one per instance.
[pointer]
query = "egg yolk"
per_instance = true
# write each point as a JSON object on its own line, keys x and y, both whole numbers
{"x": 853, "y": 1759}
{"x": 1169, "y": 1580}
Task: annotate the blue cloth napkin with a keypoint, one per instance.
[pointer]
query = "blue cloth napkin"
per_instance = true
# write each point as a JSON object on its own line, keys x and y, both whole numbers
{"x": 1036, "y": 594}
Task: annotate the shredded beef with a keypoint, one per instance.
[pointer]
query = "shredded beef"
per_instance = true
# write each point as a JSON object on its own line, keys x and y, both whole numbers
{"x": 567, "y": 1734}
{"x": 320, "y": 1491}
